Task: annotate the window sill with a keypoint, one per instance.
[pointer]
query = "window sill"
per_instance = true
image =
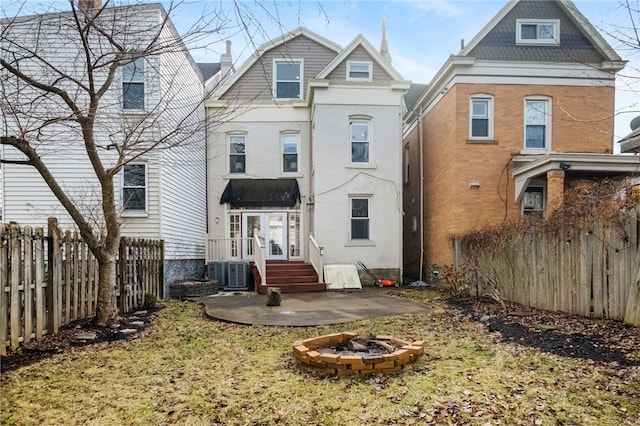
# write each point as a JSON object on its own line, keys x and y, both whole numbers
{"x": 291, "y": 175}
{"x": 134, "y": 112}
{"x": 535, "y": 151}
{"x": 361, "y": 166}
{"x": 360, "y": 243}
{"x": 134, "y": 214}
{"x": 482, "y": 141}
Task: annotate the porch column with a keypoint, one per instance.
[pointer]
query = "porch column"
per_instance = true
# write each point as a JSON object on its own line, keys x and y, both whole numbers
{"x": 555, "y": 190}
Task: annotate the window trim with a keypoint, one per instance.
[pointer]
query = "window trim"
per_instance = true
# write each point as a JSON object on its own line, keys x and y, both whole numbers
{"x": 228, "y": 137}
{"x": 276, "y": 61}
{"x": 489, "y": 118}
{"x": 554, "y": 41}
{"x": 548, "y": 121}
{"x": 283, "y": 135}
{"x": 368, "y": 218}
{"x": 544, "y": 200}
{"x": 361, "y": 119}
{"x": 369, "y": 65}
{"x": 132, "y": 81}
{"x": 135, "y": 212}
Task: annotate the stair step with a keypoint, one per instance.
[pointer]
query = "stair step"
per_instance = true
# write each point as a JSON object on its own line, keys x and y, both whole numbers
{"x": 294, "y": 287}
{"x": 292, "y": 279}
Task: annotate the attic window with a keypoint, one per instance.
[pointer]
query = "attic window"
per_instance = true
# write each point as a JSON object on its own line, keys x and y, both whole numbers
{"x": 359, "y": 70}
{"x": 538, "y": 31}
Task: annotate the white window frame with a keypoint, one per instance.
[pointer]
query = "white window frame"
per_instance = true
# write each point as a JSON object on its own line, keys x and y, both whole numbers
{"x": 489, "y": 115}
{"x": 553, "y": 41}
{"x": 128, "y": 212}
{"x": 529, "y": 211}
{"x": 360, "y": 120}
{"x": 367, "y": 198}
{"x": 136, "y": 78}
{"x": 300, "y": 80}
{"x": 369, "y": 66}
{"x": 229, "y": 153}
{"x": 283, "y": 137}
{"x": 547, "y": 124}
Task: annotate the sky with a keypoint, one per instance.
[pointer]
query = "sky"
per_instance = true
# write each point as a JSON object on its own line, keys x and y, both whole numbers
{"x": 421, "y": 33}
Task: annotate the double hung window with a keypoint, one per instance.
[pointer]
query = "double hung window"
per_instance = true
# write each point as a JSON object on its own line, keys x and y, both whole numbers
{"x": 133, "y": 84}
{"x": 360, "y": 217}
{"x": 288, "y": 79}
{"x": 290, "y": 145}
{"x": 537, "y": 124}
{"x": 360, "y": 142}
{"x": 237, "y": 154}
{"x": 481, "y": 117}
{"x": 357, "y": 70}
{"x": 134, "y": 188}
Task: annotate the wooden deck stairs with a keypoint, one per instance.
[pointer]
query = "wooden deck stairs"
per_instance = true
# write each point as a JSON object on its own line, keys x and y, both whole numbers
{"x": 289, "y": 277}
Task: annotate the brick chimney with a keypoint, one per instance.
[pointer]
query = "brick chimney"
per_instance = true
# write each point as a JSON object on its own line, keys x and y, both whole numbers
{"x": 89, "y": 4}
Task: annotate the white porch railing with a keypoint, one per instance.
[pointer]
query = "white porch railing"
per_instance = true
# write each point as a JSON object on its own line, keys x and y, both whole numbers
{"x": 260, "y": 256}
{"x": 315, "y": 257}
{"x": 224, "y": 249}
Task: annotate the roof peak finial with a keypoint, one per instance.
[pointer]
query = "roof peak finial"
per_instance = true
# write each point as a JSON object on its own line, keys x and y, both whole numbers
{"x": 384, "y": 45}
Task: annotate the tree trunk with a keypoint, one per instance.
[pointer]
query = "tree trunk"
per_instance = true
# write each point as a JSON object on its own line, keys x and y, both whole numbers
{"x": 106, "y": 310}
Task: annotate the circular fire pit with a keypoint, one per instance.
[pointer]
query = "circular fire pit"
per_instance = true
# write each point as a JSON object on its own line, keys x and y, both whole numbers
{"x": 343, "y": 353}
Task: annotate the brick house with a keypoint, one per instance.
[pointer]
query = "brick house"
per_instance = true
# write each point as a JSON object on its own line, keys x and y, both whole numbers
{"x": 521, "y": 113}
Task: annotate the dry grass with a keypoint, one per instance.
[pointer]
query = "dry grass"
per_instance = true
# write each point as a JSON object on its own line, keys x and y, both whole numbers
{"x": 193, "y": 371}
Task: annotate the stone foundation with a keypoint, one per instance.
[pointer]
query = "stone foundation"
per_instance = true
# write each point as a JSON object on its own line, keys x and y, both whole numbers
{"x": 309, "y": 352}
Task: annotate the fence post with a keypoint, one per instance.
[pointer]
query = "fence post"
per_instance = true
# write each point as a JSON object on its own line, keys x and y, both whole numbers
{"x": 4, "y": 309}
{"x": 53, "y": 283}
{"x": 161, "y": 270}
{"x": 16, "y": 314}
{"x": 40, "y": 312}
{"x": 28, "y": 279}
{"x": 122, "y": 264}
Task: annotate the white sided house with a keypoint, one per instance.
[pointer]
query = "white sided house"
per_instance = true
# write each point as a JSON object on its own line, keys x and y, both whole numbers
{"x": 306, "y": 167}
{"x": 155, "y": 99}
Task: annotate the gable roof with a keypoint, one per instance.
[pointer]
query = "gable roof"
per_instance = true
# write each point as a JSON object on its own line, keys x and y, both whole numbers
{"x": 576, "y": 45}
{"x": 208, "y": 69}
{"x": 360, "y": 40}
{"x": 269, "y": 45}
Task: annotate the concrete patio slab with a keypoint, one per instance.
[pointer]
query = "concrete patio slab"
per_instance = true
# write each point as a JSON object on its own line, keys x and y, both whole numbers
{"x": 308, "y": 309}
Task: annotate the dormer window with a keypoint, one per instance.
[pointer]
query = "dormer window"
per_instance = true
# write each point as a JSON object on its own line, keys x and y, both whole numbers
{"x": 538, "y": 31}
{"x": 358, "y": 70}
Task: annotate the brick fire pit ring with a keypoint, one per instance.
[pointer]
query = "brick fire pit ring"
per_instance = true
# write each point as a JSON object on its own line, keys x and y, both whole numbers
{"x": 319, "y": 352}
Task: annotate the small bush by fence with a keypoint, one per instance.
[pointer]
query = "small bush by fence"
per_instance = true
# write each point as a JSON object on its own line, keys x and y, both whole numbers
{"x": 49, "y": 281}
{"x": 591, "y": 268}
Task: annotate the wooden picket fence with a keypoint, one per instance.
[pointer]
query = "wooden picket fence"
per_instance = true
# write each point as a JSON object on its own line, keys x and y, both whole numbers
{"x": 49, "y": 281}
{"x": 591, "y": 270}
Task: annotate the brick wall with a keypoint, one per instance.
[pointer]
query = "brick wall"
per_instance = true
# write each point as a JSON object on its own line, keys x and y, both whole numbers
{"x": 582, "y": 121}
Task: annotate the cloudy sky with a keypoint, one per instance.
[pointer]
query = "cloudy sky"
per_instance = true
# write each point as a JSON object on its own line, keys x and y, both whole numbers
{"x": 421, "y": 33}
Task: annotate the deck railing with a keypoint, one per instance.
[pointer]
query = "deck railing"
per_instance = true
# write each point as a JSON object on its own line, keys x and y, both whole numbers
{"x": 224, "y": 249}
{"x": 316, "y": 253}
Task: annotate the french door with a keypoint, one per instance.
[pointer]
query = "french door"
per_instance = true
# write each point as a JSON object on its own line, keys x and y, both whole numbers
{"x": 273, "y": 226}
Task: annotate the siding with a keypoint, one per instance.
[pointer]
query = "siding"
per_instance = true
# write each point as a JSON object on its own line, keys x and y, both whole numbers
{"x": 182, "y": 178}
{"x": 380, "y": 76}
{"x": 500, "y": 43}
{"x": 256, "y": 83}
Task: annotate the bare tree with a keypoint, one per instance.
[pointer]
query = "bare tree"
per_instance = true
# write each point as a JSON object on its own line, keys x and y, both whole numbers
{"x": 62, "y": 99}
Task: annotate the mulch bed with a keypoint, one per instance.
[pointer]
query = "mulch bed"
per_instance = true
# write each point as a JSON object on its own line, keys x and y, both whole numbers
{"x": 65, "y": 341}
{"x": 602, "y": 341}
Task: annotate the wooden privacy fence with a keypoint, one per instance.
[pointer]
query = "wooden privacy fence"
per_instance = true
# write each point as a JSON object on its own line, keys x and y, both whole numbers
{"x": 49, "y": 281}
{"x": 589, "y": 270}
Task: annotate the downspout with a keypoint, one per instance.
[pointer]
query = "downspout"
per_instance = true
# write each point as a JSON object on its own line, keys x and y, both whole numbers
{"x": 421, "y": 194}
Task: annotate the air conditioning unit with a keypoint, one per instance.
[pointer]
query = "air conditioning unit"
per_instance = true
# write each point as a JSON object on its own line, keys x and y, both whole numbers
{"x": 237, "y": 276}
{"x": 217, "y": 271}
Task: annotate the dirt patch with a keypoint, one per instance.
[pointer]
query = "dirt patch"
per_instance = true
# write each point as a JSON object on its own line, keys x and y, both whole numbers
{"x": 67, "y": 339}
{"x": 605, "y": 341}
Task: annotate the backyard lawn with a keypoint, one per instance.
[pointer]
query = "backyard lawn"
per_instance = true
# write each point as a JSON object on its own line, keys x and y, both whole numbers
{"x": 187, "y": 369}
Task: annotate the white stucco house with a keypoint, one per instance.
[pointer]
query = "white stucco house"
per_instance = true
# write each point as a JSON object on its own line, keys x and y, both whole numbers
{"x": 155, "y": 99}
{"x": 304, "y": 145}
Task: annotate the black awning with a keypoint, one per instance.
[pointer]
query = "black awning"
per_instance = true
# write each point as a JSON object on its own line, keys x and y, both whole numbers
{"x": 261, "y": 193}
